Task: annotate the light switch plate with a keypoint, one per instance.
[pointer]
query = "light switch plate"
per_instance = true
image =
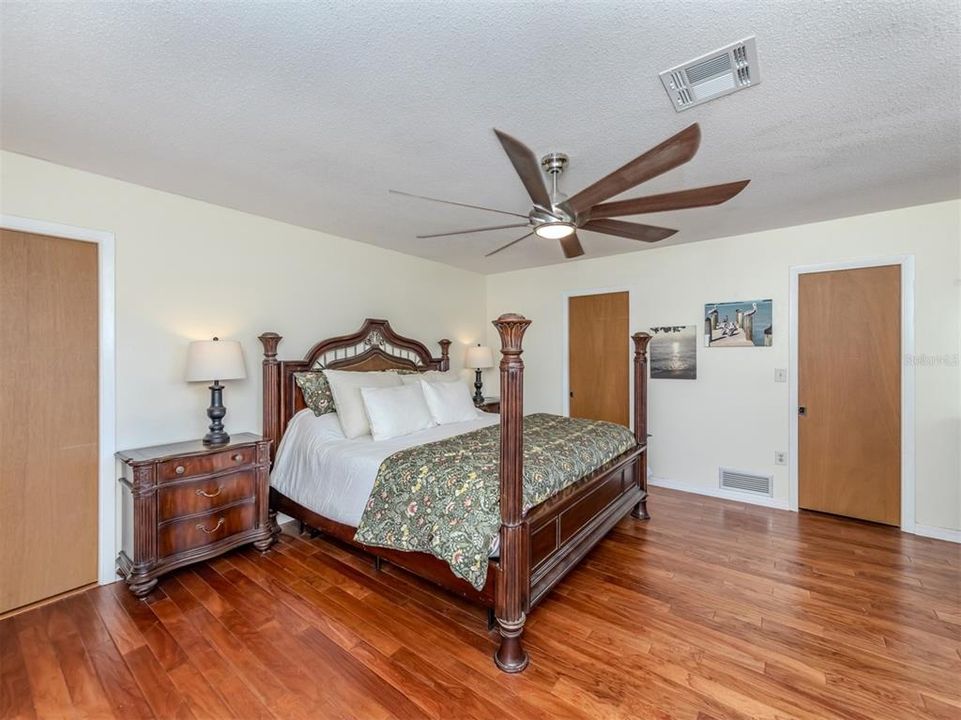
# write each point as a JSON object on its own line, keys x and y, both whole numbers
{"x": 780, "y": 375}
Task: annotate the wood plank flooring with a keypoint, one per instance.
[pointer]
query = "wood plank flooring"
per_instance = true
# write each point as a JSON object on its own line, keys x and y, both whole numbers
{"x": 711, "y": 610}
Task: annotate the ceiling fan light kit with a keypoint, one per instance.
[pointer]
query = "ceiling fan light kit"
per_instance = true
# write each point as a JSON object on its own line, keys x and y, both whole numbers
{"x": 554, "y": 230}
{"x": 554, "y": 216}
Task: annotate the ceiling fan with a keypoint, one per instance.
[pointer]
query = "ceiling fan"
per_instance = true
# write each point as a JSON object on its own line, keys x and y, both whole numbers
{"x": 556, "y": 217}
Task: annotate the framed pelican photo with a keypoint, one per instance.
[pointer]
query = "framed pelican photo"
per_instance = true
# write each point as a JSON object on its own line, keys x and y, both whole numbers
{"x": 746, "y": 323}
{"x": 673, "y": 352}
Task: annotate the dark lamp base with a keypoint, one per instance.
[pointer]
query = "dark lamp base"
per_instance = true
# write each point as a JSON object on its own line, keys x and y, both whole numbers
{"x": 478, "y": 384}
{"x": 216, "y": 413}
{"x": 218, "y": 438}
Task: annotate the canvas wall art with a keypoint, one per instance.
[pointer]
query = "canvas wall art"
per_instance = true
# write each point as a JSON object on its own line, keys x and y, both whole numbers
{"x": 673, "y": 352}
{"x": 738, "y": 324}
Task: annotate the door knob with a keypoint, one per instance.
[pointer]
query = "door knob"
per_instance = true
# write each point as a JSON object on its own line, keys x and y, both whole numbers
{"x": 802, "y": 410}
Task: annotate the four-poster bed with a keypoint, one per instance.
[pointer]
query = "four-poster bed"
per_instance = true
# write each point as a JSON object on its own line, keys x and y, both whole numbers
{"x": 537, "y": 547}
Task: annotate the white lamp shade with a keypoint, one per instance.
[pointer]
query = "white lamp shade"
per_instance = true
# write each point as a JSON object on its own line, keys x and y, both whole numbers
{"x": 215, "y": 360}
{"x": 479, "y": 357}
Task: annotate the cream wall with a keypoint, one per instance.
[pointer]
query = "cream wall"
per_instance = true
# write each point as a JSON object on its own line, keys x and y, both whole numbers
{"x": 734, "y": 414}
{"x": 189, "y": 270}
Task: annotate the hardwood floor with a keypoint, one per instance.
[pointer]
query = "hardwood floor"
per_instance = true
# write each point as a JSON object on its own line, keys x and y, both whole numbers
{"x": 711, "y": 610}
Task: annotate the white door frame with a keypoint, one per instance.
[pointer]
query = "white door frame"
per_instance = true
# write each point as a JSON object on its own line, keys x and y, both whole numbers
{"x": 565, "y": 349}
{"x": 107, "y": 521}
{"x": 906, "y": 262}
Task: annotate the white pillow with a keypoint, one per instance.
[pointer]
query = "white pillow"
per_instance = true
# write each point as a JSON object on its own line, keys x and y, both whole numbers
{"x": 449, "y": 402}
{"x": 447, "y": 376}
{"x": 396, "y": 411}
{"x": 345, "y": 386}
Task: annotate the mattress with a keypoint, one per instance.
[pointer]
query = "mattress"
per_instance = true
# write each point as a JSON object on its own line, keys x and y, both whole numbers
{"x": 319, "y": 468}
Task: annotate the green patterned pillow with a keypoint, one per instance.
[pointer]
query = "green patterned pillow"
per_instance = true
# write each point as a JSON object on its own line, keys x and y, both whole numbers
{"x": 316, "y": 390}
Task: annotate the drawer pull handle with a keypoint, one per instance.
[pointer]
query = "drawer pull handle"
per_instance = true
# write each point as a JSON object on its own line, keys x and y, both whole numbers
{"x": 204, "y": 493}
{"x": 238, "y": 457}
{"x": 200, "y": 526}
{"x": 179, "y": 469}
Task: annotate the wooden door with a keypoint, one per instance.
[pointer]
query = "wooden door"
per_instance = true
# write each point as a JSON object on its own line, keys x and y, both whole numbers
{"x": 49, "y": 377}
{"x": 849, "y": 386}
{"x": 599, "y": 357}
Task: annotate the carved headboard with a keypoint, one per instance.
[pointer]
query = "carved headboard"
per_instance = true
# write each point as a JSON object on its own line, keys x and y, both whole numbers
{"x": 374, "y": 347}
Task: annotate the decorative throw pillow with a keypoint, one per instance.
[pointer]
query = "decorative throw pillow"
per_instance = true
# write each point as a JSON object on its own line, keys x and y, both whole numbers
{"x": 396, "y": 411}
{"x": 316, "y": 391}
{"x": 345, "y": 386}
{"x": 449, "y": 402}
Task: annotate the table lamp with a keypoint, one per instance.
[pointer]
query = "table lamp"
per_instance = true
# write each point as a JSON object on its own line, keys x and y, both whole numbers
{"x": 215, "y": 360}
{"x": 478, "y": 358}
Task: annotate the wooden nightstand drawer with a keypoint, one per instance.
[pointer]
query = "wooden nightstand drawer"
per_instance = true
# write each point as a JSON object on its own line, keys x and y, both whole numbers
{"x": 180, "y": 468}
{"x": 189, "y": 498}
{"x": 202, "y": 530}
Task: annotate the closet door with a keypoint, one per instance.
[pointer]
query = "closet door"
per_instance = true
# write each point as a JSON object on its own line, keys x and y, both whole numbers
{"x": 599, "y": 357}
{"x": 49, "y": 375}
{"x": 849, "y": 386}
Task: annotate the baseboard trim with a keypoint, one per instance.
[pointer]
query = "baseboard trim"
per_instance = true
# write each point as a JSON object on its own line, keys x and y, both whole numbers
{"x": 938, "y": 533}
{"x": 928, "y": 531}
{"x": 719, "y": 493}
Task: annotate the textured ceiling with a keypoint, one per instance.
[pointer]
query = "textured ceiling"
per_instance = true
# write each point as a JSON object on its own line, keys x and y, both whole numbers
{"x": 309, "y": 112}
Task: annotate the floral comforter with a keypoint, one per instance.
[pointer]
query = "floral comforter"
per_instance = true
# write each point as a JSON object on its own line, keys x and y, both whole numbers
{"x": 443, "y": 498}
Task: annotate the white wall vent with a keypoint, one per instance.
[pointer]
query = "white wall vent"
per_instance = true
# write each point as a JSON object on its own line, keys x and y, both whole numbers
{"x": 710, "y": 76}
{"x": 746, "y": 482}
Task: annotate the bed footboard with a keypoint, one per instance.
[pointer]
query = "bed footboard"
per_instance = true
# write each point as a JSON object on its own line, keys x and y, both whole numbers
{"x": 565, "y": 528}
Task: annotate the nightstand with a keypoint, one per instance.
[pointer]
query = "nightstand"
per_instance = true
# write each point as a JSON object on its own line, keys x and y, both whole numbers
{"x": 186, "y": 502}
{"x": 490, "y": 404}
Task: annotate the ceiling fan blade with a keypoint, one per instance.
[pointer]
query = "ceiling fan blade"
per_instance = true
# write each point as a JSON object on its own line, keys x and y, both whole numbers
{"x": 698, "y": 197}
{"x": 571, "y": 246}
{"x": 458, "y": 204}
{"x": 633, "y": 231}
{"x": 473, "y": 230}
{"x": 504, "y": 247}
{"x": 528, "y": 167}
{"x": 669, "y": 154}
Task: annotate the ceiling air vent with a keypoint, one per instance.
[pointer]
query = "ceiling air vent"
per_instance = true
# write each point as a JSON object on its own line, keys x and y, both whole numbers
{"x": 746, "y": 482}
{"x": 710, "y": 76}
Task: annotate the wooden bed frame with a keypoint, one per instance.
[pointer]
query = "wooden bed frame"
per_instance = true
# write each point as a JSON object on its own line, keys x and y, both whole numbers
{"x": 537, "y": 548}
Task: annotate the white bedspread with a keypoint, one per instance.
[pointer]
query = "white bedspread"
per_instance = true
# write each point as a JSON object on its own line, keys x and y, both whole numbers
{"x": 317, "y": 467}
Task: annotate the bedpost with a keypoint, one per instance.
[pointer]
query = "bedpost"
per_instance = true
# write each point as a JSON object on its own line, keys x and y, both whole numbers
{"x": 640, "y": 419}
{"x": 270, "y": 341}
{"x": 444, "y": 354}
{"x": 513, "y": 580}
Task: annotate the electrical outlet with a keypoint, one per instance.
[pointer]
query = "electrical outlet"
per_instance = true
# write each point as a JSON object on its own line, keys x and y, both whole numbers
{"x": 780, "y": 375}
{"x": 780, "y": 457}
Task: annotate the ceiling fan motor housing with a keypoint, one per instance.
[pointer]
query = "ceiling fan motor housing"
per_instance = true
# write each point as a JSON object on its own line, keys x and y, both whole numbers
{"x": 539, "y": 215}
